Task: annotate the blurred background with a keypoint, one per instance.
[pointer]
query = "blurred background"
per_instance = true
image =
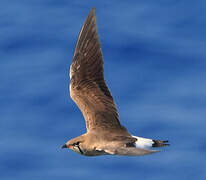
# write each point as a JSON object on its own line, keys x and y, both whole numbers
{"x": 155, "y": 61}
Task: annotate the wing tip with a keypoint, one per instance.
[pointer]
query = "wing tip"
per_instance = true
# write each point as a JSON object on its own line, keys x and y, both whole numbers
{"x": 93, "y": 10}
{"x": 89, "y": 24}
{"x": 93, "y": 13}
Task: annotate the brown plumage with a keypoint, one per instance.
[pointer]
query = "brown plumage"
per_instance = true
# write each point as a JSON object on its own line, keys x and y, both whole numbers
{"x": 87, "y": 86}
{"x": 88, "y": 89}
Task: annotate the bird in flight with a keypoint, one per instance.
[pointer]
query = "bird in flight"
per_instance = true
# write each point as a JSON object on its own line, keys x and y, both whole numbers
{"x": 105, "y": 135}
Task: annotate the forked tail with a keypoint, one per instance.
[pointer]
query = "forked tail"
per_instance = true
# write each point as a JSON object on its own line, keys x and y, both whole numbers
{"x": 159, "y": 143}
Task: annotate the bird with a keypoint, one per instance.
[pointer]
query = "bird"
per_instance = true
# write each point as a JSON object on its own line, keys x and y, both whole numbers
{"x": 105, "y": 135}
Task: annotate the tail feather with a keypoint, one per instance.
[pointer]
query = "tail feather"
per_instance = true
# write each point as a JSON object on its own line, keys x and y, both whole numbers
{"x": 160, "y": 143}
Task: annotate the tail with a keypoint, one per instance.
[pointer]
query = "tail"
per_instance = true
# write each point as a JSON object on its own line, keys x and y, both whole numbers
{"x": 147, "y": 143}
{"x": 159, "y": 143}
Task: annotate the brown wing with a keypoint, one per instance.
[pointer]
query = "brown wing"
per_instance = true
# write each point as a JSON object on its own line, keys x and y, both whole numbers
{"x": 128, "y": 151}
{"x": 87, "y": 85}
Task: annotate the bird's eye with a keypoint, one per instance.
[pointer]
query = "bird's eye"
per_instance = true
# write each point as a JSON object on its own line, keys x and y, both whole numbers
{"x": 76, "y": 144}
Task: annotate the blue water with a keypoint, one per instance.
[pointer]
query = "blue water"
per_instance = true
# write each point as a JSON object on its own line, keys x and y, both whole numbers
{"x": 155, "y": 63}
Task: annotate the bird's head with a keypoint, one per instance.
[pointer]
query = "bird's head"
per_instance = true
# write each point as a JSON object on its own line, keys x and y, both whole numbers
{"x": 75, "y": 144}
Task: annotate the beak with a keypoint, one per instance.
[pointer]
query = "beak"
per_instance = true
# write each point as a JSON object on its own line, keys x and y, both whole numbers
{"x": 64, "y": 146}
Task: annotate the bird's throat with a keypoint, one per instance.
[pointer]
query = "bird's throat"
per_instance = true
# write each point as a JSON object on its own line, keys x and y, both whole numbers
{"x": 80, "y": 150}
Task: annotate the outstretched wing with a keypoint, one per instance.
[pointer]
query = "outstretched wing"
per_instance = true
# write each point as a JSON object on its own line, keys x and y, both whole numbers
{"x": 87, "y": 85}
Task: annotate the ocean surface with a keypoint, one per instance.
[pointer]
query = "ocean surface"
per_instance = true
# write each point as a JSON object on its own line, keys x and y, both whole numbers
{"x": 155, "y": 66}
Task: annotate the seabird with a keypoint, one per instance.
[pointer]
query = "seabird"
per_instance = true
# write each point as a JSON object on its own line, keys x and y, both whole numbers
{"x": 105, "y": 135}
